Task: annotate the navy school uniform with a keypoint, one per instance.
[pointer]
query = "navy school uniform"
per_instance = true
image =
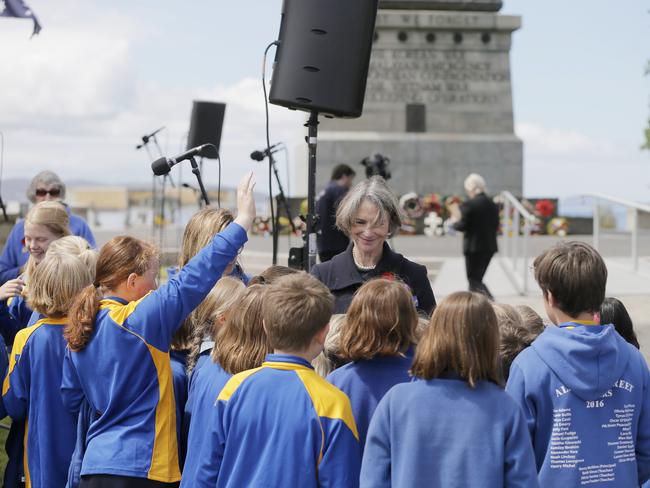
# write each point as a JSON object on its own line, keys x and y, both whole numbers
{"x": 280, "y": 425}
{"x": 365, "y": 382}
{"x": 585, "y": 394}
{"x": 15, "y": 315}
{"x": 31, "y": 395}
{"x": 178, "y": 361}
{"x": 125, "y": 372}
{"x": 442, "y": 433}
{"x": 207, "y": 382}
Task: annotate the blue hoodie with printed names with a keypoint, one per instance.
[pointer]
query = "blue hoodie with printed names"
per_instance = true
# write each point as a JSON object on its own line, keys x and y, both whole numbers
{"x": 585, "y": 393}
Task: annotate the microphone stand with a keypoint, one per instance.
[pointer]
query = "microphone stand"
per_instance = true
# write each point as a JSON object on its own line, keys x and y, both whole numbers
{"x": 197, "y": 172}
{"x": 282, "y": 200}
{"x": 145, "y": 145}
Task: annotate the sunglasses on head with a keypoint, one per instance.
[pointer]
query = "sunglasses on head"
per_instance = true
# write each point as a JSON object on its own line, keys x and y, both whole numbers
{"x": 41, "y": 192}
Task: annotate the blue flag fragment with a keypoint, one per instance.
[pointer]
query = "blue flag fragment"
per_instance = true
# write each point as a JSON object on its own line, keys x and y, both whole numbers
{"x": 17, "y": 8}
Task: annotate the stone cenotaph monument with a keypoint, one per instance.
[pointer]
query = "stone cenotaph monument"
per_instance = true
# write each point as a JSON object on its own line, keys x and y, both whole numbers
{"x": 438, "y": 100}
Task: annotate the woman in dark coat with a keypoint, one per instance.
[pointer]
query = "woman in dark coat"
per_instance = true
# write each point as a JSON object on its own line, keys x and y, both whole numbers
{"x": 369, "y": 214}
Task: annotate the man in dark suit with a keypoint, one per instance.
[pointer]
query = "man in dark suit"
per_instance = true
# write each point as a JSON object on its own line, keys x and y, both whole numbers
{"x": 331, "y": 240}
{"x": 478, "y": 219}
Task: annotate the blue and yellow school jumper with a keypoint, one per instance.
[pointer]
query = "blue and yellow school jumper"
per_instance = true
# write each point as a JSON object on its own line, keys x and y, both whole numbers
{"x": 125, "y": 373}
{"x": 31, "y": 394}
{"x": 280, "y": 425}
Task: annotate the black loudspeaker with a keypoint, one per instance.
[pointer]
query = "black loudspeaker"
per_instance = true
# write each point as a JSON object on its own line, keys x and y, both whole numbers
{"x": 206, "y": 125}
{"x": 321, "y": 64}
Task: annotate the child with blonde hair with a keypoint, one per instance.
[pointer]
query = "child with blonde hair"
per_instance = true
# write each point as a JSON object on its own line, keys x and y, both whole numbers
{"x": 32, "y": 389}
{"x": 241, "y": 344}
{"x": 209, "y": 318}
{"x": 44, "y": 223}
{"x": 328, "y": 360}
{"x": 198, "y": 232}
{"x": 454, "y": 425}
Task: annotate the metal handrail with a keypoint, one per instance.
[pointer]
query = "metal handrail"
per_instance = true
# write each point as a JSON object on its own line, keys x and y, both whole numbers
{"x": 630, "y": 205}
{"x": 512, "y": 253}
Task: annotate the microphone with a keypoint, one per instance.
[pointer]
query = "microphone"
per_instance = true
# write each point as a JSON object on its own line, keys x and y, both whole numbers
{"x": 145, "y": 139}
{"x": 260, "y": 155}
{"x": 162, "y": 166}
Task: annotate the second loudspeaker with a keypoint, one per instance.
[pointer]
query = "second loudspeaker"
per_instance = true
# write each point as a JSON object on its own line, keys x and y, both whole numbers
{"x": 206, "y": 125}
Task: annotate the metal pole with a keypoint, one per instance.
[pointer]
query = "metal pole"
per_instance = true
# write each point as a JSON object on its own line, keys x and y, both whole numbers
{"x": 596, "y": 225}
{"x": 635, "y": 239}
{"x": 525, "y": 255}
{"x": 515, "y": 239}
{"x": 312, "y": 142}
{"x": 506, "y": 226}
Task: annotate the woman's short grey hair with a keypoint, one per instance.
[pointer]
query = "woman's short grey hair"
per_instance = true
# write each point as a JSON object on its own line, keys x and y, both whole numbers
{"x": 47, "y": 179}
{"x": 376, "y": 191}
{"x": 474, "y": 183}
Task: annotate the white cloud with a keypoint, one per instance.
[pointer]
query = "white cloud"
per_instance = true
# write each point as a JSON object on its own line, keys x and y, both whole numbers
{"x": 75, "y": 99}
{"x": 560, "y": 142}
{"x": 570, "y": 163}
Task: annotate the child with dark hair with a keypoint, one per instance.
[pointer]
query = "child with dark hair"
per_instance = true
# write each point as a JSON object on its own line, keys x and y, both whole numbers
{"x": 532, "y": 320}
{"x": 454, "y": 425}
{"x": 584, "y": 391}
{"x": 515, "y": 336}
{"x": 378, "y": 339}
{"x": 612, "y": 311}
{"x": 281, "y": 424}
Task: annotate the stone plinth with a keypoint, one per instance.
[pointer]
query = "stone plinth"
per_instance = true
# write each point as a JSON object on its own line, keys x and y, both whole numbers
{"x": 438, "y": 102}
{"x": 479, "y": 5}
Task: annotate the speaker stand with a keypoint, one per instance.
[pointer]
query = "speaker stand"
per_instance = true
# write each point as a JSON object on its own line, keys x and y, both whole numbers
{"x": 312, "y": 143}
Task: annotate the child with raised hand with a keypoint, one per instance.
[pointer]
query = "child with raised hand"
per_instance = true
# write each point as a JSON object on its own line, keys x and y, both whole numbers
{"x": 454, "y": 425}
{"x": 281, "y": 424}
{"x": 198, "y": 232}
{"x": 378, "y": 339}
{"x": 119, "y": 334}
{"x": 200, "y": 229}
{"x": 32, "y": 390}
{"x": 240, "y": 345}
{"x": 584, "y": 391}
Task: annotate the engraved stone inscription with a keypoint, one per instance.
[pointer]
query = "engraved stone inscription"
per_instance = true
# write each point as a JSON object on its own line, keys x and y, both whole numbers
{"x": 437, "y": 78}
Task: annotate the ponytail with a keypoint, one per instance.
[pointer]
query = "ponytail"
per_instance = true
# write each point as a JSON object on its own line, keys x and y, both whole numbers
{"x": 118, "y": 258}
{"x": 81, "y": 319}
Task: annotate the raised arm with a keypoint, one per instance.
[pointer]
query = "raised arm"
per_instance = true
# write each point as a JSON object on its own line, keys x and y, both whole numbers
{"x": 158, "y": 315}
